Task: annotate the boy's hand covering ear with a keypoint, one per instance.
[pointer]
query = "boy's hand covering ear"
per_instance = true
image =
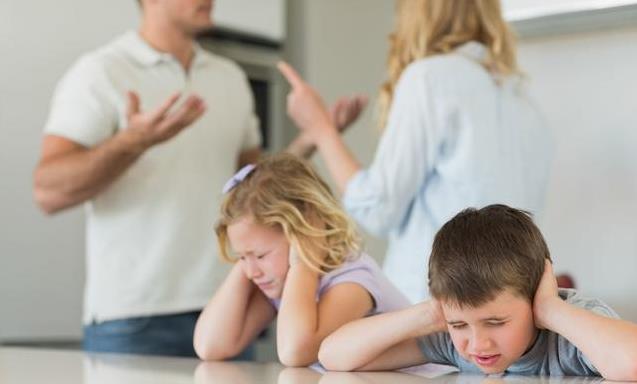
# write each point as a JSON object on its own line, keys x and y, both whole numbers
{"x": 545, "y": 294}
{"x": 439, "y": 316}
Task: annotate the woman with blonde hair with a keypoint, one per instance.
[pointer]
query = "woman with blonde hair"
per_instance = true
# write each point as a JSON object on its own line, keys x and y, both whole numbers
{"x": 297, "y": 253}
{"x": 459, "y": 131}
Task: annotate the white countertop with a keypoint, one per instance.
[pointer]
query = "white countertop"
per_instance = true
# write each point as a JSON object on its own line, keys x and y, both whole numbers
{"x": 31, "y": 366}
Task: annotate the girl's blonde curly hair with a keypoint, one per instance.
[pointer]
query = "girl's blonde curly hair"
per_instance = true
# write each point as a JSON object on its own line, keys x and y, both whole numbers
{"x": 431, "y": 27}
{"x": 285, "y": 192}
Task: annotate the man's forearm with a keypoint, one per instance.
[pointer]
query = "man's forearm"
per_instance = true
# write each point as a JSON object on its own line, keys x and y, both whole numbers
{"x": 71, "y": 178}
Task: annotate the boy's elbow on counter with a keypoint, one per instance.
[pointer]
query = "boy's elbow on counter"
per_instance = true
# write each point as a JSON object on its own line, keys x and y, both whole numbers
{"x": 628, "y": 373}
{"x": 632, "y": 370}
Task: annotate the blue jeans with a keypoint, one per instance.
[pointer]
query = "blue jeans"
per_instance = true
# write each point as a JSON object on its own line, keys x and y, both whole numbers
{"x": 169, "y": 335}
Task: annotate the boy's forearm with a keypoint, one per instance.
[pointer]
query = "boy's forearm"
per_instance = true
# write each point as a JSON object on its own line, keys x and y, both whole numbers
{"x": 297, "y": 321}
{"x": 360, "y": 342}
{"x": 609, "y": 344}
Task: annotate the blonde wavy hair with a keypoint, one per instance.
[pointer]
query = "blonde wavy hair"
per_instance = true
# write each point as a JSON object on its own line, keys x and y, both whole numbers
{"x": 432, "y": 27}
{"x": 284, "y": 192}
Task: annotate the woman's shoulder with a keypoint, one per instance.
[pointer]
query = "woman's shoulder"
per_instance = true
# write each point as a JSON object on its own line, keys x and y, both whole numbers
{"x": 445, "y": 75}
{"x": 448, "y": 63}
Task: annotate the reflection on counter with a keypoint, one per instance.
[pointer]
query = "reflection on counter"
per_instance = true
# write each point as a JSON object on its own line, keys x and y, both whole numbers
{"x": 25, "y": 365}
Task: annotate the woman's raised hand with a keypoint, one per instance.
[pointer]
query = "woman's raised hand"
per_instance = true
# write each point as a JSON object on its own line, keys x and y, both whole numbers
{"x": 305, "y": 106}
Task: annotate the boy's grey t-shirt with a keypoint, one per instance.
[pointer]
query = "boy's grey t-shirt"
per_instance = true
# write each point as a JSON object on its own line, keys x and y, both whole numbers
{"x": 551, "y": 354}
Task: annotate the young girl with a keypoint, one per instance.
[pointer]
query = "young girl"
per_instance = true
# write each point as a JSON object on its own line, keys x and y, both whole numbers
{"x": 297, "y": 254}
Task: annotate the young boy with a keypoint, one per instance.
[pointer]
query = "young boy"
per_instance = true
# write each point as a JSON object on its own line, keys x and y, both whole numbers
{"x": 495, "y": 308}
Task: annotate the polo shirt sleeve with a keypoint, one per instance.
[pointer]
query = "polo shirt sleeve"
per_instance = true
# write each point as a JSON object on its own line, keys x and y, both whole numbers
{"x": 252, "y": 136}
{"x": 251, "y": 133}
{"x": 379, "y": 197}
{"x": 80, "y": 110}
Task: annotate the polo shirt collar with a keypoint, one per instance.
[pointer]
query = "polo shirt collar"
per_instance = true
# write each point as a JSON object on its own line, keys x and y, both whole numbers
{"x": 145, "y": 54}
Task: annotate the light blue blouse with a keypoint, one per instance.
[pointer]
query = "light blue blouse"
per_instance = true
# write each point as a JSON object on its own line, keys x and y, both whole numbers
{"x": 456, "y": 137}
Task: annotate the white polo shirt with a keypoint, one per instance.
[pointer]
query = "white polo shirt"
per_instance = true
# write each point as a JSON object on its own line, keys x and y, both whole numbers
{"x": 151, "y": 247}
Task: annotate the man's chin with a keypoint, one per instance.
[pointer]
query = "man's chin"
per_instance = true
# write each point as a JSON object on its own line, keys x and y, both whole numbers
{"x": 199, "y": 28}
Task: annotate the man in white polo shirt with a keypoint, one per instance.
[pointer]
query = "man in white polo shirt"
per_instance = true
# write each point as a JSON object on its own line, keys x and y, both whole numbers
{"x": 145, "y": 131}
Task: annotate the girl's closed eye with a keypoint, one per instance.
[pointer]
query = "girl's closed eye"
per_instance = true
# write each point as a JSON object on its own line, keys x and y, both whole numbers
{"x": 458, "y": 325}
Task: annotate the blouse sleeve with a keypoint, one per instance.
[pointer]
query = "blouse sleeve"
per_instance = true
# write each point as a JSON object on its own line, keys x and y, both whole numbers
{"x": 379, "y": 197}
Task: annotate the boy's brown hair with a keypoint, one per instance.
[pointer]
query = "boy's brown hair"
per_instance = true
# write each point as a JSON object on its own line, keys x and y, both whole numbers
{"x": 481, "y": 252}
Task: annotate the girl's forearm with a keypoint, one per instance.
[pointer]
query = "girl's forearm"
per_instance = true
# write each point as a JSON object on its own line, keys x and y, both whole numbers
{"x": 297, "y": 323}
{"x": 221, "y": 323}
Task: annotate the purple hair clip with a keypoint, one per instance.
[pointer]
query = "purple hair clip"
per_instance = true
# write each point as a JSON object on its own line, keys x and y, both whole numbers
{"x": 238, "y": 177}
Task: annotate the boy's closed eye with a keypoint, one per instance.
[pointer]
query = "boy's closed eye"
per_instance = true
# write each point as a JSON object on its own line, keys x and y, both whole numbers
{"x": 495, "y": 323}
{"x": 457, "y": 325}
{"x": 489, "y": 323}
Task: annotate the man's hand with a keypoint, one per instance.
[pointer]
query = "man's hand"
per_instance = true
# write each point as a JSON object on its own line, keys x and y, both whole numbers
{"x": 545, "y": 296}
{"x": 153, "y": 127}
